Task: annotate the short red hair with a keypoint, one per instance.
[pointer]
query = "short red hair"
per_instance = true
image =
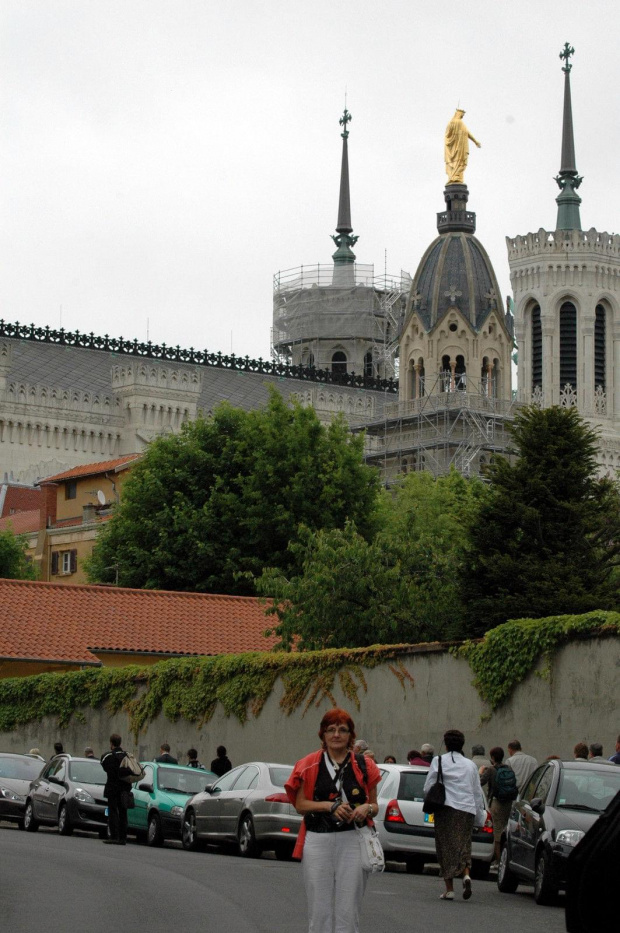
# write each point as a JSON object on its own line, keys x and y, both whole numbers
{"x": 336, "y": 717}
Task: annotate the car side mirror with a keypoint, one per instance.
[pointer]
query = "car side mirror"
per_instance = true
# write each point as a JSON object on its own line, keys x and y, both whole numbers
{"x": 146, "y": 786}
{"x": 537, "y": 805}
{"x": 209, "y": 788}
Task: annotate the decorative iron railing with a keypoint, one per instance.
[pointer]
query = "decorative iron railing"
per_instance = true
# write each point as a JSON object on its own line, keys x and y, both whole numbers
{"x": 192, "y": 356}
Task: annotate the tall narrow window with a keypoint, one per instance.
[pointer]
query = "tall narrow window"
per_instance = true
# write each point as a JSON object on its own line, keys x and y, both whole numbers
{"x": 460, "y": 373}
{"x": 537, "y": 367}
{"x": 339, "y": 363}
{"x": 421, "y": 375}
{"x": 446, "y": 374}
{"x": 568, "y": 345}
{"x": 599, "y": 348}
{"x": 368, "y": 364}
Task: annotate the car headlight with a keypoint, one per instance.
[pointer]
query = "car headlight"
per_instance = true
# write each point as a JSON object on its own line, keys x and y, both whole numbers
{"x": 570, "y": 837}
{"x": 177, "y": 811}
{"x": 7, "y": 794}
{"x": 83, "y": 796}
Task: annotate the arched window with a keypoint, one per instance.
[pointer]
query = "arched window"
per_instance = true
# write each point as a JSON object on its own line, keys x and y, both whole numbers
{"x": 599, "y": 348}
{"x": 568, "y": 345}
{"x": 421, "y": 376}
{"x": 368, "y": 369}
{"x": 537, "y": 366}
{"x": 460, "y": 373}
{"x": 446, "y": 374}
{"x": 339, "y": 363}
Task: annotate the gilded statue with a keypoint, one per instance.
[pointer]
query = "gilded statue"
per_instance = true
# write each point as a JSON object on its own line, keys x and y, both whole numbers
{"x": 456, "y": 148}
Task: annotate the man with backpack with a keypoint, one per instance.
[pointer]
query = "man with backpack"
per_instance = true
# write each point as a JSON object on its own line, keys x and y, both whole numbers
{"x": 502, "y": 790}
{"x": 115, "y": 786}
{"x": 523, "y": 765}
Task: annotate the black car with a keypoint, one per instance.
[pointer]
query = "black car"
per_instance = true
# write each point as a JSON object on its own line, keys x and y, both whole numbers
{"x": 16, "y": 774}
{"x": 68, "y": 793}
{"x": 562, "y": 800}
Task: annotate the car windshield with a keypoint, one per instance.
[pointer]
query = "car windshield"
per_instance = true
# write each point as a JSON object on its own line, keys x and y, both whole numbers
{"x": 279, "y": 776}
{"x": 24, "y": 769}
{"x": 87, "y": 772}
{"x": 412, "y": 785}
{"x": 593, "y": 789}
{"x": 191, "y": 781}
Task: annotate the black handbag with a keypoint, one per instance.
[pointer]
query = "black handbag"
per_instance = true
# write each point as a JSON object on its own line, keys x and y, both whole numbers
{"x": 436, "y": 795}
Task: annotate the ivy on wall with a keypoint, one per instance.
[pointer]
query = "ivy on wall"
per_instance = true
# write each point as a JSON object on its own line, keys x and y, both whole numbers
{"x": 191, "y": 688}
{"x": 508, "y": 653}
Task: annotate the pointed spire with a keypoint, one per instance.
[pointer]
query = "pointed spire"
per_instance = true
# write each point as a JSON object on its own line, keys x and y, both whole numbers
{"x": 344, "y": 257}
{"x": 568, "y": 180}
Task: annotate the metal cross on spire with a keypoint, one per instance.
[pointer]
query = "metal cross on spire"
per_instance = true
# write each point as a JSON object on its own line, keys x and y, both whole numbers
{"x": 566, "y": 53}
{"x": 344, "y": 119}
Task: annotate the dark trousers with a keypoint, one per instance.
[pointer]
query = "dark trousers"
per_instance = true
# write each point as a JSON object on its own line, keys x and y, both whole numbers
{"x": 117, "y": 815}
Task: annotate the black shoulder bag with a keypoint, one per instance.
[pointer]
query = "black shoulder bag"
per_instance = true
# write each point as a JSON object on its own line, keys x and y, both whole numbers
{"x": 436, "y": 795}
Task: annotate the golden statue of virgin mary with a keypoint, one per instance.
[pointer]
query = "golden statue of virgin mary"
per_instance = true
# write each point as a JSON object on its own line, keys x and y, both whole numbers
{"x": 456, "y": 148}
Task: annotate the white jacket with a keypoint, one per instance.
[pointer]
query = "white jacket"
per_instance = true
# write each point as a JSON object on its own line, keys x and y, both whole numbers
{"x": 462, "y": 783}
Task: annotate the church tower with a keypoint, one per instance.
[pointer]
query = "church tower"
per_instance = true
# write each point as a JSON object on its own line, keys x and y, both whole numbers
{"x": 339, "y": 317}
{"x": 455, "y": 397}
{"x": 566, "y": 286}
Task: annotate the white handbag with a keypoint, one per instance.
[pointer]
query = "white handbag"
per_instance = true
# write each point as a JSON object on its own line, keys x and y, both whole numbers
{"x": 373, "y": 859}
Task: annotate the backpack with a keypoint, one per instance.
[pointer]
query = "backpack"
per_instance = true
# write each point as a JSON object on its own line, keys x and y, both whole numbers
{"x": 505, "y": 783}
{"x": 130, "y": 769}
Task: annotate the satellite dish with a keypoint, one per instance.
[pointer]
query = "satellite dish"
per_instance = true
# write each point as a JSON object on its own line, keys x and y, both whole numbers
{"x": 101, "y": 497}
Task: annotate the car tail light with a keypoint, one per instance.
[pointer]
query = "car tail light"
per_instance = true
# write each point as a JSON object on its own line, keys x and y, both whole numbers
{"x": 277, "y": 798}
{"x": 284, "y": 829}
{"x": 393, "y": 814}
{"x": 488, "y": 824}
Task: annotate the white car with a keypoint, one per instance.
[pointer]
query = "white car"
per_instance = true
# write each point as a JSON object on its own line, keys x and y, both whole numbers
{"x": 407, "y": 833}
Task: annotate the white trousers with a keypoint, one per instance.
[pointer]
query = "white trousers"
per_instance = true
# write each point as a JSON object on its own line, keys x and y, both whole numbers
{"x": 334, "y": 880}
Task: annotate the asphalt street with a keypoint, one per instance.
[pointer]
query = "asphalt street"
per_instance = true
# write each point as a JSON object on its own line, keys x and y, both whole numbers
{"x": 63, "y": 884}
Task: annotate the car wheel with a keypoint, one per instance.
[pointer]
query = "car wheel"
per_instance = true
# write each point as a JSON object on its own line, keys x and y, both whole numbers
{"x": 545, "y": 891}
{"x": 189, "y": 834}
{"x": 64, "y": 825}
{"x": 507, "y": 881}
{"x": 154, "y": 833}
{"x": 30, "y": 824}
{"x": 414, "y": 865}
{"x": 480, "y": 870}
{"x": 248, "y": 847}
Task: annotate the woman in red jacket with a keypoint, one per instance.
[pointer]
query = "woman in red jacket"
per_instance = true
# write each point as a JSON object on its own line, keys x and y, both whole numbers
{"x": 333, "y": 789}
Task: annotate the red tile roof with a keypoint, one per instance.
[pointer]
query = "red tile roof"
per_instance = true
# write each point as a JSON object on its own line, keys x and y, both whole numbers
{"x": 54, "y": 622}
{"x": 20, "y": 499}
{"x": 91, "y": 469}
{"x": 21, "y": 523}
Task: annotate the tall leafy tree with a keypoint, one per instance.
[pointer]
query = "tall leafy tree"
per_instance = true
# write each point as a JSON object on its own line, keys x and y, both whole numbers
{"x": 347, "y": 591}
{"x": 547, "y": 538}
{"x": 14, "y": 563}
{"x": 209, "y": 508}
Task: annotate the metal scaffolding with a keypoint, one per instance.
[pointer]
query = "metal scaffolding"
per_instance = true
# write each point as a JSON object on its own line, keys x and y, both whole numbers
{"x": 450, "y": 427}
{"x": 314, "y": 307}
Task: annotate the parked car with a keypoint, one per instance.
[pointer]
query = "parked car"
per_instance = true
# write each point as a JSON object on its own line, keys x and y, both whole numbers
{"x": 160, "y": 799}
{"x": 407, "y": 834}
{"x": 16, "y": 774}
{"x": 248, "y": 807}
{"x": 562, "y": 800}
{"x": 69, "y": 794}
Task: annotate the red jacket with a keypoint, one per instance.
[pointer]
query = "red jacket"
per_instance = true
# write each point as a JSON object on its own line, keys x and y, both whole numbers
{"x": 306, "y": 771}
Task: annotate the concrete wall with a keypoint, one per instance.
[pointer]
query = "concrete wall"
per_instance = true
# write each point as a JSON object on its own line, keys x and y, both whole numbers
{"x": 578, "y": 703}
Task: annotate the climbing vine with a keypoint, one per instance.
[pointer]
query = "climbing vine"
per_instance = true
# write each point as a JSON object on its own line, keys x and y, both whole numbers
{"x": 508, "y": 653}
{"x": 191, "y": 688}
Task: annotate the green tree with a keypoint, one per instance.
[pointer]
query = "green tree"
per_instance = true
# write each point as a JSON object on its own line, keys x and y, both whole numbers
{"x": 546, "y": 540}
{"x": 399, "y": 587}
{"x": 14, "y": 564}
{"x": 209, "y": 508}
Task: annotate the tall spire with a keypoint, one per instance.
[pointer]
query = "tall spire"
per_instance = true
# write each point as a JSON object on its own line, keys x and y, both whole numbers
{"x": 344, "y": 257}
{"x": 568, "y": 180}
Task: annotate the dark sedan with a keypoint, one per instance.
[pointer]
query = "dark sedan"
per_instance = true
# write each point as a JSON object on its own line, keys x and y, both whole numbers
{"x": 16, "y": 774}
{"x": 69, "y": 794}
{"x": 562, "y": 800}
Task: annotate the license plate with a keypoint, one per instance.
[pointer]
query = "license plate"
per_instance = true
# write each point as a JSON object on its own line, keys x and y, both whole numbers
{"x": 106, "y": 812}
{"x": 429, "y": 817}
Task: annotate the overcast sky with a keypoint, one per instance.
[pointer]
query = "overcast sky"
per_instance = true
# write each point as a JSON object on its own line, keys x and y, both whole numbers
{"x": 162, "y": 159}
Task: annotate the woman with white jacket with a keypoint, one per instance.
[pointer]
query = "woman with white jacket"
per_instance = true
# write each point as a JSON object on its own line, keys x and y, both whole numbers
{"x": 464, "y": 808}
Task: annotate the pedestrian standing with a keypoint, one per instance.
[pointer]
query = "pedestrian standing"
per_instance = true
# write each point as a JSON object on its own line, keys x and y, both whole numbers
{"x": 222, "y": 764}
{"x": 523, "y": 765}
{"x": 114, "y": 787}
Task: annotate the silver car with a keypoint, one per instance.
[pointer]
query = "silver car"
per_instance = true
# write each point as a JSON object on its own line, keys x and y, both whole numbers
{"x": 247, "y": 806}
{"x": 407, "y": 833}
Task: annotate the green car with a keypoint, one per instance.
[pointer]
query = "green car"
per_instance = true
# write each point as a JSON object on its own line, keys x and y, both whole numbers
{"x": 160, "y": 799}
